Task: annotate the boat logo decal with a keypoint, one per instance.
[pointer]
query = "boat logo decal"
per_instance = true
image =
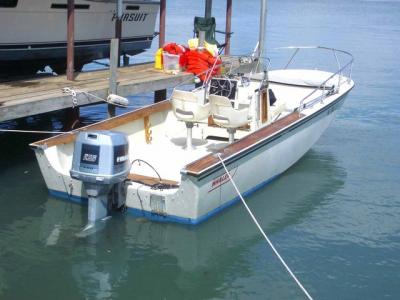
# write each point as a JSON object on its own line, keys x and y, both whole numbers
{"x": 121, "y": 159}
{"x": 89, "y": 157}
{"x": 130, "y": 17}
{"x": 120, "y": 154}
{"x": 90, "y": 154}
{"x": 221, "y": 180}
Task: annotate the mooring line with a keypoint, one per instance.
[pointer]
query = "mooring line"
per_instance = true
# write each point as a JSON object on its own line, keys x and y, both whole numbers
{"x": 33, "y": 131}
{"x": 73, "y": 93}
{"x": 262, "y": 231}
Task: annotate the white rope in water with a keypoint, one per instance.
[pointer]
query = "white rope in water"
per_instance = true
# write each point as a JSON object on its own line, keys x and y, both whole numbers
{"x": 262, "y": 231}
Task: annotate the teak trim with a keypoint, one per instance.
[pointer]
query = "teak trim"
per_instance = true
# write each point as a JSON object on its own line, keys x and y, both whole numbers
{"x": 199, "y": 166}
{"x": 264, "y": 105}
{"x": 147, "y": 180}
{"x": 108, "y": 124}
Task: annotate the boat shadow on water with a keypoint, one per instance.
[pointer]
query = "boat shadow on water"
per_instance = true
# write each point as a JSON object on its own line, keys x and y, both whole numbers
{"x": 127, "y": 246}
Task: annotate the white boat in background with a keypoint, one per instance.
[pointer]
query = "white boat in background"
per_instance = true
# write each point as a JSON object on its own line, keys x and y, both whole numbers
{"x": 33, "y": 35}
{"x": 258, "y": 122}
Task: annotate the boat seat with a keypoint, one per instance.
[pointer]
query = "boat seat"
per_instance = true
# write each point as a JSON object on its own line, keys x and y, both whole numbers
{"x": 187, "y": 108}
{"x": 226, "y": 116}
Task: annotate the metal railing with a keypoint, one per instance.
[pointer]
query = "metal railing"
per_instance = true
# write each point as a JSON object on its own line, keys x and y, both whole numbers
{"x": 252, "y": 64}
{"x": 340, "y": 73}
{"x": 246, "y": 64}
{"x": 236, "y": 64}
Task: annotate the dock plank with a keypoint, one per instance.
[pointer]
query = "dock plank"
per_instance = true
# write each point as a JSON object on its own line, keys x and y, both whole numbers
{"x": 26, "y": 97}
{"x": 21, "y": 89}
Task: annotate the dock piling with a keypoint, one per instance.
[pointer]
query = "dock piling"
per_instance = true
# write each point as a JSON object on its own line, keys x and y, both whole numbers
{"x": 228, "y": 27}
{"x": 114, "y": 58}
{"x": 71, "y": 119}
{"x": 161, "y": 95}
{"x": 70, "y": 39}
{"x": 118, "y": 28}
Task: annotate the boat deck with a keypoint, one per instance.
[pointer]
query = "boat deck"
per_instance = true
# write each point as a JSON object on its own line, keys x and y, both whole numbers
{"x": 167, "y": 155}
{"x": 31, "y": 96}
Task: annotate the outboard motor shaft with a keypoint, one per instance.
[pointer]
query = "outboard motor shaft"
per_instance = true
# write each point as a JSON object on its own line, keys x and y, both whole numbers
{"x": 100, "y": 160}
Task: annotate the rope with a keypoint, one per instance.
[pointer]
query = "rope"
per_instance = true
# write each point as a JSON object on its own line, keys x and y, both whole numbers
{"x": 33, "y": 131}
{"x": 143, "y": 161}
{"x": 73, "y": 93}
{"x": 262, "y": 231}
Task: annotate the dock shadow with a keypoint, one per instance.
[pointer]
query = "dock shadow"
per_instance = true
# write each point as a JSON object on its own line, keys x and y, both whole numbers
{"x": 24, "y": 81}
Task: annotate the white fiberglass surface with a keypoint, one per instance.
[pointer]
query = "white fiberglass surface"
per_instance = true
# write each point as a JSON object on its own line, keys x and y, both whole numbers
{"x": 313, "y": 78}
{"x": 167, "y": 153}
{"x": 293, "y": 95}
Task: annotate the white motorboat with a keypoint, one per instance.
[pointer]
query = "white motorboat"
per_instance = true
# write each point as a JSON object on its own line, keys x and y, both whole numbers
{"x": 259, "y": 123}
{"x": 34, "y": 35}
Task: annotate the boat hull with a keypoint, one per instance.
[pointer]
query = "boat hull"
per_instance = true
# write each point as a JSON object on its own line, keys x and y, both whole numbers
{"x": 40, "y": 31}
{"x": 201, "y": 197}
{"x": 191, "y": 185}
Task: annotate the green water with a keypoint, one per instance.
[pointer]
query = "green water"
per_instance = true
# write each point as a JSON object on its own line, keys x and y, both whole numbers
{"x": 333, "y": 216}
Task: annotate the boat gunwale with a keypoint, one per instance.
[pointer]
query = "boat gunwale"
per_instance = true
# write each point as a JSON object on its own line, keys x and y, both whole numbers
{"x": 228, "y": 155}
{"x": 68, "y": 137}
{"x": 211, "y": 160}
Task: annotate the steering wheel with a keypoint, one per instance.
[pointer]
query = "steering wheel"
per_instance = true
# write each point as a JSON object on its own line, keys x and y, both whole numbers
{"x": 221, "y": 87}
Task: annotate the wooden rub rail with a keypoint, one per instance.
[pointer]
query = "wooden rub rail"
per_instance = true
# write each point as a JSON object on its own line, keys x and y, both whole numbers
{"x": 199, "y": 166}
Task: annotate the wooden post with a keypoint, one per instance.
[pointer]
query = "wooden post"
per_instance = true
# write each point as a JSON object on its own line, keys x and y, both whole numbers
{"x": 264, "y": 94}
{"x": 228, "y": 27}
{"x": 118, "y": 28}
{"x": 161, "y": 37}
{"x": 113, "y": 73}
{"x": 70, "y": 39}
{"x": 161, "y": 94}
{"x": 71, "y": 118}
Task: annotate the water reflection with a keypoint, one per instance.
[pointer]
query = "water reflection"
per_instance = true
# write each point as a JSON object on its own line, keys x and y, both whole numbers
{"x": 137, "y": 258}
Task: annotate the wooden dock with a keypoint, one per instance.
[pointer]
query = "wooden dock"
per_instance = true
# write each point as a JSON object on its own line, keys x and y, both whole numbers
{"x": 27, "y": 97}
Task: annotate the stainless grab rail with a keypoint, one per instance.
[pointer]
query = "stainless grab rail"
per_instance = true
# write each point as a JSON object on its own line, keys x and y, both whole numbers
{"x": 256, "y": 63}
{"x": 230, "y": 68}
{"x": 340, "y": 71}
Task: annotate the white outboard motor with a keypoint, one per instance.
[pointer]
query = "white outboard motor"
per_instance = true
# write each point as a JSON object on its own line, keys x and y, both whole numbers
{"x": 100, "y": 161}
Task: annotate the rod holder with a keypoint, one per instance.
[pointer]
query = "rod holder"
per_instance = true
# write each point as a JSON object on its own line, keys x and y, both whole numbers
{"x": 231, "y": 132}
{"x": 189, "y": 138}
